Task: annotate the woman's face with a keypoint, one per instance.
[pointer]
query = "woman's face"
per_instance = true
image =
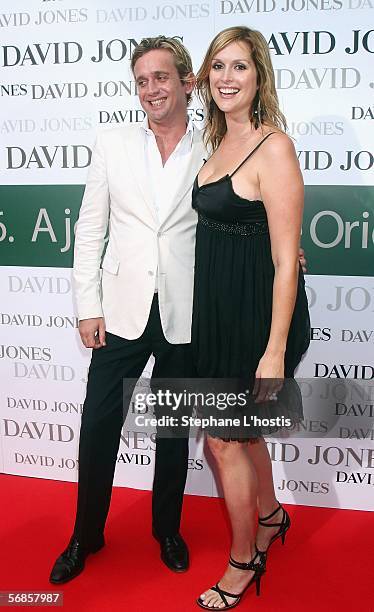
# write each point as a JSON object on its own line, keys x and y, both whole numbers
{"x": 233, "y": 79}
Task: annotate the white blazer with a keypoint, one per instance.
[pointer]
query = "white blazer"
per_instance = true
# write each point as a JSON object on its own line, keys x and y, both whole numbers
{"x": 118, "y": 191}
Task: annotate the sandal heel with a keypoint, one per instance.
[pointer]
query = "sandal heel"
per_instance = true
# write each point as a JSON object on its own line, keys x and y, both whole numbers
{"x": 283, "y": 527}
{"x": 258, "y": 585}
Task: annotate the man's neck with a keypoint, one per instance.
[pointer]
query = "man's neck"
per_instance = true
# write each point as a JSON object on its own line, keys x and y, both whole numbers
{"x": 168, "y": 136}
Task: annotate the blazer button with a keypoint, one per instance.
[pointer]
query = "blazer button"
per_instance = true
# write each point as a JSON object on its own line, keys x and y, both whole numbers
{"x": 150, "y": 273}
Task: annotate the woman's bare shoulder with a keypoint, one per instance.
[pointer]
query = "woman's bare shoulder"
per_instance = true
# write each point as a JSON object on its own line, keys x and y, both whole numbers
{"x": 279, "y": 143}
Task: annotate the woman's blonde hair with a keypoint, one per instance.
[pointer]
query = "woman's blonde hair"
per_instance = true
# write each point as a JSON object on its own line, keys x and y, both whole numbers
{"x": 265, "y": 107}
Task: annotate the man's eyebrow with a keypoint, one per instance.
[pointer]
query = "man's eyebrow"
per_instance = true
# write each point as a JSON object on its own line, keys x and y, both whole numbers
{"x": 154, "y": 73}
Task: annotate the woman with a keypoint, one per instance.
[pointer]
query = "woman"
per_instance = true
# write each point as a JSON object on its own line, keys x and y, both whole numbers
{"x": 250, "y": 318}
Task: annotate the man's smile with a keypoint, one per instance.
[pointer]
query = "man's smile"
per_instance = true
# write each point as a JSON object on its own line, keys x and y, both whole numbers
{"x": 158, "y": 102}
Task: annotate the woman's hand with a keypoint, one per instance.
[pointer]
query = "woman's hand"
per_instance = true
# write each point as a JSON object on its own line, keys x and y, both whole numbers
{"x": 269, "y": 377}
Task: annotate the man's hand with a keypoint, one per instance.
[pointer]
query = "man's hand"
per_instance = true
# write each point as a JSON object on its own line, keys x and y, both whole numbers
{"x": 92, "y": 332}
{"x": 302, "y": 259}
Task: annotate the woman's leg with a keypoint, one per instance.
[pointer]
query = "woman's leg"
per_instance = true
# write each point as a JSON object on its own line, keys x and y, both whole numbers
{"x": 266, "y": 499}
{"x": 239, "y": 483}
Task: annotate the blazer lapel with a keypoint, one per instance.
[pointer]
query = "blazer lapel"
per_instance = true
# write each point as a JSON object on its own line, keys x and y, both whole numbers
{"x": 197, "y": 157}
{"x": 136, "y": 160}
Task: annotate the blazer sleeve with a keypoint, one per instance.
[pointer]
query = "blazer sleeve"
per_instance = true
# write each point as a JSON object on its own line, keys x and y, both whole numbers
{"x": 90, "y": 233}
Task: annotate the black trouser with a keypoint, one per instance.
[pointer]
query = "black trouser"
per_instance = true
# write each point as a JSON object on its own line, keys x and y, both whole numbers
{"x": 102, "y": 420}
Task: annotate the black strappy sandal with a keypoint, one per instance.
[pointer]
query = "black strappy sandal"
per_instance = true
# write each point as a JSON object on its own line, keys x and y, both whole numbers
{"x": 284, "y": 526}
{"x": 256, "y": 567}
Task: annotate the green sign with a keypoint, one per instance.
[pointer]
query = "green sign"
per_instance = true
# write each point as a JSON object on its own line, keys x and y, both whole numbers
{"x": 338, "y": 230}
{"x": 37, "y": 227}
{"x": 37, "y": 224}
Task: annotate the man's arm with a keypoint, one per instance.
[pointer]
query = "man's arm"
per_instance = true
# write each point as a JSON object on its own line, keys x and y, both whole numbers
{"x": 89, "y": 243}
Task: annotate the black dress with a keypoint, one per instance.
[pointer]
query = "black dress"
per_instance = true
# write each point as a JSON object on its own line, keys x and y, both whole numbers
{"x": 233, "y": 291}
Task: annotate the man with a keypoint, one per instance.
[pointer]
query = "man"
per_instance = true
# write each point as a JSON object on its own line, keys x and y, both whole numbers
{"x": 139, "y": 183}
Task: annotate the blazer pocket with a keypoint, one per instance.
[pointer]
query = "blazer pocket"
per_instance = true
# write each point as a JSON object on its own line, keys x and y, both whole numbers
{"x": 110, "y": 264}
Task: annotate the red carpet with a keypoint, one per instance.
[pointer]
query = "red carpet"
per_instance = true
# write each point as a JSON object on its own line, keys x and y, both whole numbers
{"x": 325, "y": 565}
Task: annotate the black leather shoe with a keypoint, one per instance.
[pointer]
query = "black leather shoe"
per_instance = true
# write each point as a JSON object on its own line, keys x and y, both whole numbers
{"x": 174, "y": 552}
{"x": 71, "y": 562}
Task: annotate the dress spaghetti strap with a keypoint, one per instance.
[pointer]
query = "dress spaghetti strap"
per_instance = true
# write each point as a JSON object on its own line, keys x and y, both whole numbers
{"x": 251, "y": 153}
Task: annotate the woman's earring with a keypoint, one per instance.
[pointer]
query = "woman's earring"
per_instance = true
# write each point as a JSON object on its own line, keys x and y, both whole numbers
{"x": 212, "y": 105}
{"x": 257, "y": 113}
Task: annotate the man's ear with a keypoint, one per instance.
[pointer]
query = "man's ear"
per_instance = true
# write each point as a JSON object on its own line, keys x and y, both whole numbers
{"x": 189, "y": 81}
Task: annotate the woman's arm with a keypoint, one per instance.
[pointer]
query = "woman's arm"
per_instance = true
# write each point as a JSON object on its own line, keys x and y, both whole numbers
{"x": 282, "y": 192}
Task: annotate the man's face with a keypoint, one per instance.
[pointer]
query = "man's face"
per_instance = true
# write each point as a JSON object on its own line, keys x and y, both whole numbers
{"x": 161, "y": 92}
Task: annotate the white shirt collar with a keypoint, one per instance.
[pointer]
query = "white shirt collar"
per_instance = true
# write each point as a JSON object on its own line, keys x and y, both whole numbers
{"x": 189, "y": 129}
